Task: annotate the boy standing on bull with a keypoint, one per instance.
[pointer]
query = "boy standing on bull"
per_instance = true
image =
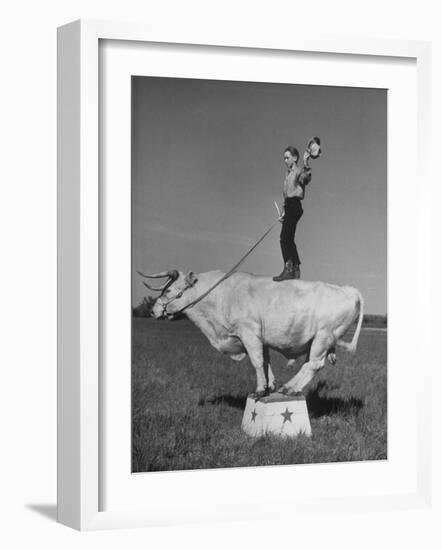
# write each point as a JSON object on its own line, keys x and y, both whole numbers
{"x": 294, "y": 190}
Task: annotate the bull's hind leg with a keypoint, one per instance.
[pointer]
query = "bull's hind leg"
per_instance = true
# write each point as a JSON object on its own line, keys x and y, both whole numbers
{"x": 318, "y": 352}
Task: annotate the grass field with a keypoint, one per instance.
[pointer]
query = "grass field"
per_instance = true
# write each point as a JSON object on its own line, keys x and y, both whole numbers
{"x": 188, "y": 401}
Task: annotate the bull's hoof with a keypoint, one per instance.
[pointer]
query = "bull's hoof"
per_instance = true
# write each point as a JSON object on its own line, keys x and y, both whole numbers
{"x": 260, "y": 394}
{"x": 284, "y": 390}
{"x": 332, "y": 358}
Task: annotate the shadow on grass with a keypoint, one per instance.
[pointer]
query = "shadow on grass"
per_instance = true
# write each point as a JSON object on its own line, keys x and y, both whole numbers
{"x": 320, "y": 405}
{"x": 238, "y": 401}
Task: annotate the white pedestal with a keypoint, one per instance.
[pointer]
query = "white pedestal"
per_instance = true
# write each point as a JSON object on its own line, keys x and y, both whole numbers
{"x": 278, "y": 414}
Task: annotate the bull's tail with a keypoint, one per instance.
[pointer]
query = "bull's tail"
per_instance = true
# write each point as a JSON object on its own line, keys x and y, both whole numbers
{"x": 351, "y": 346}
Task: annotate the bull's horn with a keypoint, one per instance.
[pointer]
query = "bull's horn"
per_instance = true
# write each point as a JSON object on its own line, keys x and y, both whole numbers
{"x": 159, "y": 289}
{"x": 155, "y": 275}
{"x": 172, "y": 274}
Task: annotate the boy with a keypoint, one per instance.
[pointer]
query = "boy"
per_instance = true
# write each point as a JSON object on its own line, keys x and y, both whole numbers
{"x": 294, "y": 190}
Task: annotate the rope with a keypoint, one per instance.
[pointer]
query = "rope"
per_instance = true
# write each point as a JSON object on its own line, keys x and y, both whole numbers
{"x": 224, "y": 277}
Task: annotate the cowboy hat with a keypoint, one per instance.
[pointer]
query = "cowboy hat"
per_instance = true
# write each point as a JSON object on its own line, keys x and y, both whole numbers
{"x": 314, "y": 148}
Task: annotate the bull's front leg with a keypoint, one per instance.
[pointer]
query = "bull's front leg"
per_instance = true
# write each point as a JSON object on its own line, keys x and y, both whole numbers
{"x": 255, "y": 352}
{"x": 270, "y": 378}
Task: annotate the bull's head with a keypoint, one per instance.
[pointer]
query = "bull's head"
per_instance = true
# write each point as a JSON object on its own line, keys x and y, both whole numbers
{"x": 176, "y": 292}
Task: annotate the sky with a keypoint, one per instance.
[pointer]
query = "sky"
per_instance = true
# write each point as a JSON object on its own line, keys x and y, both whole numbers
{"x": 207, "y": 165}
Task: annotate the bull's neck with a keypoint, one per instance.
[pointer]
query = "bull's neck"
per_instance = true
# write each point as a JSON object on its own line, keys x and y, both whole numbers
{"x": 200, "y": 309}
{"x": 204, "y": 313}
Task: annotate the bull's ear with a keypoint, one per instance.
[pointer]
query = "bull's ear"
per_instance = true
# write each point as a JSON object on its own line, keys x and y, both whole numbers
{"x": 191, "y": 278}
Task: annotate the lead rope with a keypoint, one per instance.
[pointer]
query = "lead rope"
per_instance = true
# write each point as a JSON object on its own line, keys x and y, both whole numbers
{"x": 224, "y": 277}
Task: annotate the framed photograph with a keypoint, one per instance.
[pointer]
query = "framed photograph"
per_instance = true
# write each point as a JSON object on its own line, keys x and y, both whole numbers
{"x": 238, "y": 226}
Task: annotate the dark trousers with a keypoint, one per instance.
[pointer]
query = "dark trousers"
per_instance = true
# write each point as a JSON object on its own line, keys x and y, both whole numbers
{"x": 292, "y": 214}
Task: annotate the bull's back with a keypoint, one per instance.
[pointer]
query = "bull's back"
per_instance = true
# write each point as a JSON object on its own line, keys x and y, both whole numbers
{"x": 290, "y": 312}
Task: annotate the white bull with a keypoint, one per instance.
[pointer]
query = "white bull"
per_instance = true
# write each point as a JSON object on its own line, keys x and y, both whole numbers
{"x": 249, "y": 315}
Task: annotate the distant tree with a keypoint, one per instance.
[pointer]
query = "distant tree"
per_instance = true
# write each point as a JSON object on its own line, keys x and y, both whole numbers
{"x": 375, "y": 320}
{"x": 145, "y": 308}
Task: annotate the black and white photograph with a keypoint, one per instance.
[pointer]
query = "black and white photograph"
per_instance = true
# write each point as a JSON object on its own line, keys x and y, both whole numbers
{"x": 259, "y": 274}
{"x": 221, "y": 275}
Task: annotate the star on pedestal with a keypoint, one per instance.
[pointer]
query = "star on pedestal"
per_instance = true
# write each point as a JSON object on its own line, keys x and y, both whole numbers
{"x": 254, "y": 415}
{"x": 287, "y": 415}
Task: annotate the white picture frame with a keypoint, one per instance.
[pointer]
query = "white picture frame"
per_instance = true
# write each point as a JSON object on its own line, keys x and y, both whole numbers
{"x": 79, "y": 276}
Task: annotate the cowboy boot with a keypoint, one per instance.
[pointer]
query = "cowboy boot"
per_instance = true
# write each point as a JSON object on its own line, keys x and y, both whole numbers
{"x": 296, "y": 271}
{"x": 287, "y": 272}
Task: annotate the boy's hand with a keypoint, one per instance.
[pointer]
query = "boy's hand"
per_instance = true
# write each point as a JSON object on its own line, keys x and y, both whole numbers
{"x": 280, "y": 214}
